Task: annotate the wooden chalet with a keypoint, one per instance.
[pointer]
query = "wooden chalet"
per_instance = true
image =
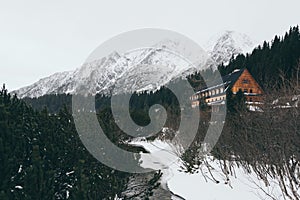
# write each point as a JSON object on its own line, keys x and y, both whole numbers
{"x": 239, "y": 79}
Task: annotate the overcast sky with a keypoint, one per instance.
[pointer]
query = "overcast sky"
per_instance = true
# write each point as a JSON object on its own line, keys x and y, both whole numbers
{"x": 39, "y": 38}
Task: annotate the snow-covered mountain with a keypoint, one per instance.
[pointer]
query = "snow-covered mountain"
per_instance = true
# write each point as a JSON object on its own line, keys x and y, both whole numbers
{"x": 138, "y": 70}
{"x": 222, "y": 46}
{"x": 141, "y": 69}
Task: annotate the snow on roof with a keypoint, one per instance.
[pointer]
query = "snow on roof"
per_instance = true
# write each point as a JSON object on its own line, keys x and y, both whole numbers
{"x": 228, "y": 80}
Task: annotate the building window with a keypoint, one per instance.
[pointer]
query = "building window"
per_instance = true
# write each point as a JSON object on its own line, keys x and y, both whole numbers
{"x": 245, "y": 90}
{"x": 245, "y": 81}
{"x": 222, "y": 90}
{"x": 250, "y": 100}
{"x": 251, "y": 91}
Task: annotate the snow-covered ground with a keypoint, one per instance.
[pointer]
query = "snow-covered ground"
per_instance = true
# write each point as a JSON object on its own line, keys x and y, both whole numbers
{"x": 210, "y": 183}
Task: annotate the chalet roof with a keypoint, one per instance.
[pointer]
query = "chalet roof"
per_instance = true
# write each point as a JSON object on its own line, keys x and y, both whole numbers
{"x": 228, "y": 80}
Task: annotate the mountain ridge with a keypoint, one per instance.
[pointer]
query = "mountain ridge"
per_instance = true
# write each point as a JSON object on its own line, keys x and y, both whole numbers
{"x": 101, "y": 75}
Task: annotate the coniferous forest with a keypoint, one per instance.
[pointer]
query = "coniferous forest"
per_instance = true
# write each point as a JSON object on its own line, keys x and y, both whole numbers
{"x": 42, "y": 157}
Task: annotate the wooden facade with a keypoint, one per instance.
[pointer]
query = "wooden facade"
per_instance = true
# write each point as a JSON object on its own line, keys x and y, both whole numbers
{"x": 235, "y": 81}
{"x": 247, "y": 84}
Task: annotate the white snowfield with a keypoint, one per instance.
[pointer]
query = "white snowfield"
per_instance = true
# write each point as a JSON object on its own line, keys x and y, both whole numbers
{"x": 210, "y": 183}
{"x": 132, "y": 71}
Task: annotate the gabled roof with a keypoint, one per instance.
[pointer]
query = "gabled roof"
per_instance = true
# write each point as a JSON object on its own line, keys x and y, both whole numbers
{"x": 228, "y": 80}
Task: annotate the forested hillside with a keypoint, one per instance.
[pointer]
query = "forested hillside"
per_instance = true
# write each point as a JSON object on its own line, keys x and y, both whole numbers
{"x": 273, "y": 63}
{"x": 42, "y": 157}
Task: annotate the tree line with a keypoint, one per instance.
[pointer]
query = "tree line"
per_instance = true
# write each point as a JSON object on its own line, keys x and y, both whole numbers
{"x": 41, "y": 152}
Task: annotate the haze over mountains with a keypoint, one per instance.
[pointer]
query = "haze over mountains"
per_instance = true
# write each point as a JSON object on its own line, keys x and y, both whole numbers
{"x": 139, "y": 70}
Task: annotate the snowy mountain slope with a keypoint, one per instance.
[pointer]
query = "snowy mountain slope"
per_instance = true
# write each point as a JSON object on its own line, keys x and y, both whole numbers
{"x": 94, "y": 73}
{"x": 98, "y": 76}
{"x": 138, "y": 70}
{"x": 142, "y": 69}
{"x": 46, "y": 85}
{"x": 157, "y": 69}
{"x": 222, "y": 46}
